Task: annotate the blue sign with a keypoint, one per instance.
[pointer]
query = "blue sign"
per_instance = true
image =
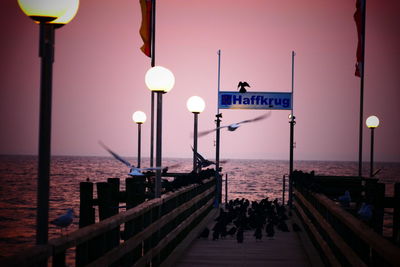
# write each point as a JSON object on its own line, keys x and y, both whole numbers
{"x": 255, "y": 100}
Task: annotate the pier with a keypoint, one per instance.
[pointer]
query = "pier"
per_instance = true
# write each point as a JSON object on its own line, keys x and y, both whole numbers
{"x": 285, "y": 249}
{"x": 165, "y": 231}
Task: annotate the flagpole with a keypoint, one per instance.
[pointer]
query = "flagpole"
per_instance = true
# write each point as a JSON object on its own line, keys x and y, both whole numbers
{"x": 153, "y": 59}
{"x": 361, "y": 69}
{"x": 292, "y": 122}
{"x": 153, "y": 32}
{"x": 217, "y": 141}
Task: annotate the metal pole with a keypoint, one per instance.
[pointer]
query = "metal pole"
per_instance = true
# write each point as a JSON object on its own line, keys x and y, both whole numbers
{"x": 360, "y": 132}
{"x": 361, "y": 120}
{"x": 153, "y": 32}
{"x": 292, "y": 123}
{"x": 219, "y": 116}
{"x": 283, "y": 189}
{"x": 217, "y": 168}
{"x": 226, "y": 188}
{"x": 195, "y": 141}
{"x": 46, "y": 53}
{"x": 371, "y": 170}
{"x": 139, "y": 142}
{"x": 153, "y": 62}
{"x": 152, "y": 131}
{"x": 158, "y": 146}
{"x": 217, "y": 141}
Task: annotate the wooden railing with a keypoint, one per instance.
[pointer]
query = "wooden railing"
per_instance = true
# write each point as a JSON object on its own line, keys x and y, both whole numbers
{"x": 145, "y": 234}
{"x": 341, "y": 238}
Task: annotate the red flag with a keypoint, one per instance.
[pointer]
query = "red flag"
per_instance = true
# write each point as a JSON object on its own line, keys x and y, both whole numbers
{"x": 359, "y": 17}
{"x": 145, "y": 27}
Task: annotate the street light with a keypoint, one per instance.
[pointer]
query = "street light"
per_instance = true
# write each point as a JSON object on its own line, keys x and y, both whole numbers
{"x": 196, "y": 105}
{"x": 292, "y": 122}
{"x": 372, "y": 123}
{"x": 50, "y": 15}
{"x": 139, "y": 117}
{"x": 159, "y": 80}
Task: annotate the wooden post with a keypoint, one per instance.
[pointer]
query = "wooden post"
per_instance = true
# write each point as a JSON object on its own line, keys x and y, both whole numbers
{"x": 105, "y": 202}
{"x": 86, "y": 210}
{"x": 59, "y": 259}
{"x": 283, "y": 189}
{"x": 135, "y": 194}
{"x": 370, "y": 186}
{"x": 396, "y": 214}
{"x": 146, "y": 222}
{"x": 378, "y": 202}
{"x": 86, "y": 217}
{"x": 114, "y": 195}
{"x": 103, "y": 197}
{"x": 155, "y": 238}
{"x": 112, "y": 237}
{"x": 135, "y": 191}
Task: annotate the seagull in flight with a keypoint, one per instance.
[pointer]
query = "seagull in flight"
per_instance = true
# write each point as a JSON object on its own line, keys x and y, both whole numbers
{"x": 242, "y": 86}
{"x": 203, "y": 162}
{"x": 64, "y": 220}
{"x": 232, "y": 127}
{"x": 134, "y": 171}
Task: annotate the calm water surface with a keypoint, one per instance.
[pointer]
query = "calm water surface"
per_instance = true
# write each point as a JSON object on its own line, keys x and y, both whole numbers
{"x": 251, "y": 179}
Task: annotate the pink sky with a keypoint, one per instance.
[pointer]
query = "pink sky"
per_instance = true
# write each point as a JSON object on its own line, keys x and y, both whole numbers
{"x": 99, "y": 73}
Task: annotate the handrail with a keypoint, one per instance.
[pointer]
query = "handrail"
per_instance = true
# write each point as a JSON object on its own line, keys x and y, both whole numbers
{"x": 376, "y": 243}
{"x": 344, "y": 248}
{"x": 374, "y": 240}
{"x": 58, "y": 246}
{"x": 146, "y": 233}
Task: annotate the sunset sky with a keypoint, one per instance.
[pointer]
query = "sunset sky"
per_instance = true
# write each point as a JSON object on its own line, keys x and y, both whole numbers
{"x": 99, "y": 70}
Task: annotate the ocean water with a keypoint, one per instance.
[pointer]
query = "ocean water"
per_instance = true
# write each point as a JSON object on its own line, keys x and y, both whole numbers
{"x": 251, "y": 179}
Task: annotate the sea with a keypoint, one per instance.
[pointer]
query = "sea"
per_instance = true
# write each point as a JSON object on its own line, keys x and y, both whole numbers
{"x": 251, "y": 179}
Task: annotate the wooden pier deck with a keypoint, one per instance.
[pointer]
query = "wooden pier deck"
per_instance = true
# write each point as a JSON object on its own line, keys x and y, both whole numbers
{"x": 285, "y": 249}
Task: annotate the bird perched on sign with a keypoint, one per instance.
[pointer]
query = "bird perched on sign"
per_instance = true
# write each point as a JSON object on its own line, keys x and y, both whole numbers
{"x": 242, "y": 86}
{"x": 232, "y": 127}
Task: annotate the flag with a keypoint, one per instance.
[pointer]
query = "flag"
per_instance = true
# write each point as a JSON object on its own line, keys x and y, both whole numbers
{"x": 359, "y": 17}
{"x": 145, "y": 27}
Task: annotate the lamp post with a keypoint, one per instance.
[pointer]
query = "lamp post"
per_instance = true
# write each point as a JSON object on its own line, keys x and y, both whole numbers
{"x": 196, "y": 105}
{"x": 372, "y": 122}
{"x": 159, "y": 80}
{"x": 50, "y": 15}
{"x": 139, "y": 117}
{"x": 292, "y": 122}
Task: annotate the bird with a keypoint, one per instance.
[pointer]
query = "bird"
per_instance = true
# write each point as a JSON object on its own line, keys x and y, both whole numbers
{"x": 239, "y": 235}
{"x": 242, "y": 86}
{"x": 269, "y": 229}
{"x": 296, "y": 227}
{"x": 345, "y": 199}
{"x": 365, "y": 212}
{"x": 205, "y": 233}
{"x": 133, "y": 171}
{"x": 232, "y": 127}
{"x": 203, "y": 162}
{"x": 64, "y": 220}
{"x": 232, "y": 231}
{"x": 258, "y": 233}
